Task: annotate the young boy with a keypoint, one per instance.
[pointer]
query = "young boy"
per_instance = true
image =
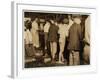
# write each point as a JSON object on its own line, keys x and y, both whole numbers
{"x": 29, "y": 50}
{"x": 35, "y": 34}
{"x": 62, "y": 38}
{"x": 63, "y": 32}
{"x": 52, "y": 38}
{"x": 46, "y": 31}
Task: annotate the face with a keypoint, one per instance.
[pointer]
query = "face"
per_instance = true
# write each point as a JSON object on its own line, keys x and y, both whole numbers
{"x": 36, "y": 19}
{"x": 77, "y": 20}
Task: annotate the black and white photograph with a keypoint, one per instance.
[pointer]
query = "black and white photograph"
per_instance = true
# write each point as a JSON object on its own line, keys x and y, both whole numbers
{"x": 53, "y": 40}
{"x": 56, "y": 39}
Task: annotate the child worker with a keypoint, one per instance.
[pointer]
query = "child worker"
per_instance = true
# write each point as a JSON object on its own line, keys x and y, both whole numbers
{"x": 53, "y": 38}
{"x": 29, "y": 49}
{"x": 63, "y": 32}
{"x": 46, "y": 31}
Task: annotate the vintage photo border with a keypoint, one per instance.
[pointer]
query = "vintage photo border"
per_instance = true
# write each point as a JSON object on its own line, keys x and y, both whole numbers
{"x": 21, "y": 72}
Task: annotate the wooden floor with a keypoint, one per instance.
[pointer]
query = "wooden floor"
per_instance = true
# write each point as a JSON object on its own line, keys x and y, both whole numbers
{"x": 38, "y": 60}
{"x": 33, "y": 62}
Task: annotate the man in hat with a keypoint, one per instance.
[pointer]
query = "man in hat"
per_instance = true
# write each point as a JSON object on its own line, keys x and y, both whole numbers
{"x": 75, "y": 36}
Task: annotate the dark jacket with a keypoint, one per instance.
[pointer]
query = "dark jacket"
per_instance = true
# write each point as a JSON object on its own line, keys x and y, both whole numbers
{"x": 75, "y": 36}
{"x": 53, "y": 33}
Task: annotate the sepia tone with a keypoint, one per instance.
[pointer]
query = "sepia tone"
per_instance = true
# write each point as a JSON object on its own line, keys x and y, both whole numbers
{"x": 56, "y": 39}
